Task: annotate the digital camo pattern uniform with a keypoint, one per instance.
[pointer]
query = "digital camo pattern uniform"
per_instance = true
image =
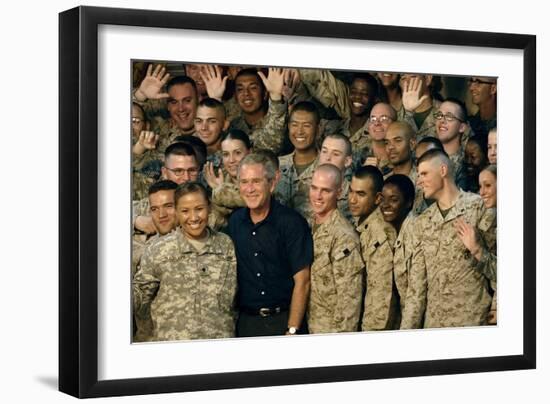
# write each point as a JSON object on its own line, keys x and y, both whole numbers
{"x": 293, "y": 188}
{"x": 164, "y": 127}
{"x": 447, "y": 286}
{"x": 225, "y": 199}
{"x": 142, "y": 321}
{"x": 402, "y": 257}
{"x": 191, "y": 294}
{"x": 336, "y": 278}
{"x": 381, "y": 310}
{"x": 269, "y": 132}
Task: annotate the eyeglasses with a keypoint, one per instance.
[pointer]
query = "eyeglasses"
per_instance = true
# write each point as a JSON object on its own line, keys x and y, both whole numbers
{"x": 448, "y": 117}
{"x": 137, "y": 120}
{"x": 178, "y": 172}
{"x": 380, "y": 119}
{"x": 478, "y": 82}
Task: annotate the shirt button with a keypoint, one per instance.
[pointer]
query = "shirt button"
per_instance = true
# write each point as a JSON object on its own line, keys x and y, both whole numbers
{"x": 255, "y": 254}
{"x": 263, "y": 293}
{"x": 253, "y": 233}
{"x": 258, "y": 274}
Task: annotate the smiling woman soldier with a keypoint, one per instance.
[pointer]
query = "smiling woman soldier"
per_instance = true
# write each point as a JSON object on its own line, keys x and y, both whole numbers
{"x": 189, "y": 278}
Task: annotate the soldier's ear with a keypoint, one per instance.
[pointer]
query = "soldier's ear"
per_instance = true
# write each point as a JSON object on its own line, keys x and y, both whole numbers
{"x": 493, "y": 89}
{"x": 225, "y": 125}
{"x": 444, "y": 170}
{"x": 348, "y": 161}
{"x": 378, "y": 198}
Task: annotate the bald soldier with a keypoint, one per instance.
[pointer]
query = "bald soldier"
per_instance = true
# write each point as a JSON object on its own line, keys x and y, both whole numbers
{"x": 448, "y": 285}
{"x": 336, "y": 272}
{"x": 377, "y": 237}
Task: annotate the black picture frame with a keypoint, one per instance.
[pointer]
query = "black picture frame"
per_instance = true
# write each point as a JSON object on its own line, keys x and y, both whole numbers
{"x": 78, "y": 196}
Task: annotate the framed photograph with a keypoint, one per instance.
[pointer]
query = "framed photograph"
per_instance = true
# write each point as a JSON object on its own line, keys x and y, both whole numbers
{"x": 99, "y": 48}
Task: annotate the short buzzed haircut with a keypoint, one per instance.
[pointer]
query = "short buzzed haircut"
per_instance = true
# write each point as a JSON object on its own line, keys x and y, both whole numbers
{"x": 198, "y": 146}
{"x": 179, "y": 149}
{"x": 430, "y": 140}
{"x": 263, "y": 160}
{"x": 178, "y": 80}
{"x": 162, "y": 185}
{"x": 463, "y": 114}
{"x": 406, "y": 129}
{"x": 441, "y": 156}
{"x": 331, "y": 169}
{"x": 190, "y": 188}
{"x": 307, "y": 106}
{"x": 374, "y": 174}
{"x": 345, "y": 139}
{"x": 251, "y": 71}
{"x": 213, "y": 103}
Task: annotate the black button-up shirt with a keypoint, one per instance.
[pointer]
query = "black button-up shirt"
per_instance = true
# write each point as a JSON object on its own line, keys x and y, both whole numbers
{"x": 269, "y": 253}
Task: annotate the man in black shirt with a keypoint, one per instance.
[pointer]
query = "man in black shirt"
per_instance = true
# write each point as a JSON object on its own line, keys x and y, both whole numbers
{"x": 274, "y": 251}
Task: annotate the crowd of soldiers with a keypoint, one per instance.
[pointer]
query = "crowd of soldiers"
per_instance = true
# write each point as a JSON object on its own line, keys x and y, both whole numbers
{"x": 282, "y": 201}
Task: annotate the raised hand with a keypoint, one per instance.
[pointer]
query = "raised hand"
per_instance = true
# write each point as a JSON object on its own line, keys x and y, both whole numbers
{"x": 151, "y": 86}
{"x": 147, "y": 141}
{"x": 468, "y": 236}
{"x": 291, "y": 82}
{"x": 145, "y": 224}
{"x": 213, "y": 80}
{"x": 411, "y": 94}
{"x": 274, "y": 82}
{"x": 214, "y": 180}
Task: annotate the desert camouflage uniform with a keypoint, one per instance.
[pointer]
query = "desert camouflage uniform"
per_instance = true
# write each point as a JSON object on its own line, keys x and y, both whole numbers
{"x": 167, "y": 132}
{"x": 381, "y": 302}
{"x": 269, "y": 132}
{"x": 336, "y": 278}
{"x": 402, "y": 257}
{"x": 225, "y": 199}
{"x": 294, "y": 188}
{"x": 141, "y": 184}
{"x": 143, "y": 322}
{"x": 328, "y": 90}
{"x": 447, "y": 286}
{"x": 232, "y": 109}
{"x": 343, "y": 203}
{"x": 191, "y": 293}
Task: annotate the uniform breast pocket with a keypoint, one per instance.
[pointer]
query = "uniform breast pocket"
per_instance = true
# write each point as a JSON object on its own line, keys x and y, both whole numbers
{"x": 321, "y": 271}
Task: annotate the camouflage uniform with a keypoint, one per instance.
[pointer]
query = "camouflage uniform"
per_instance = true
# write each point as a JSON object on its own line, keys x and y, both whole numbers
{"x": 328, "y": 90}
{"x": 167, "y": 132}
{"x": 294, "y": 188}
{"x": 343, "y": 203}
{"x": 447, "y": 286}
{"x": 402, "y": 257}
{"x": 336, "y": 278}
{"x": 191, "y": 293}
{"x": 428, "y": 126}
{"x": 225, "y": 199}
{"x": 269, "y": 132}
{"x": 142, "y": 321}
{"x": 381, "y": 303}
{"x": 140, "y": 185}
{"x": 232, "y": 109}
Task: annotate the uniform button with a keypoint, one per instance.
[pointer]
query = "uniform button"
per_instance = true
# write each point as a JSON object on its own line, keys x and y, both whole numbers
{"x": 255, "y": 254}
{"x": 263, "y": 293}
{"x": 258, "y": 274}
{"x": 253, "y": 233}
